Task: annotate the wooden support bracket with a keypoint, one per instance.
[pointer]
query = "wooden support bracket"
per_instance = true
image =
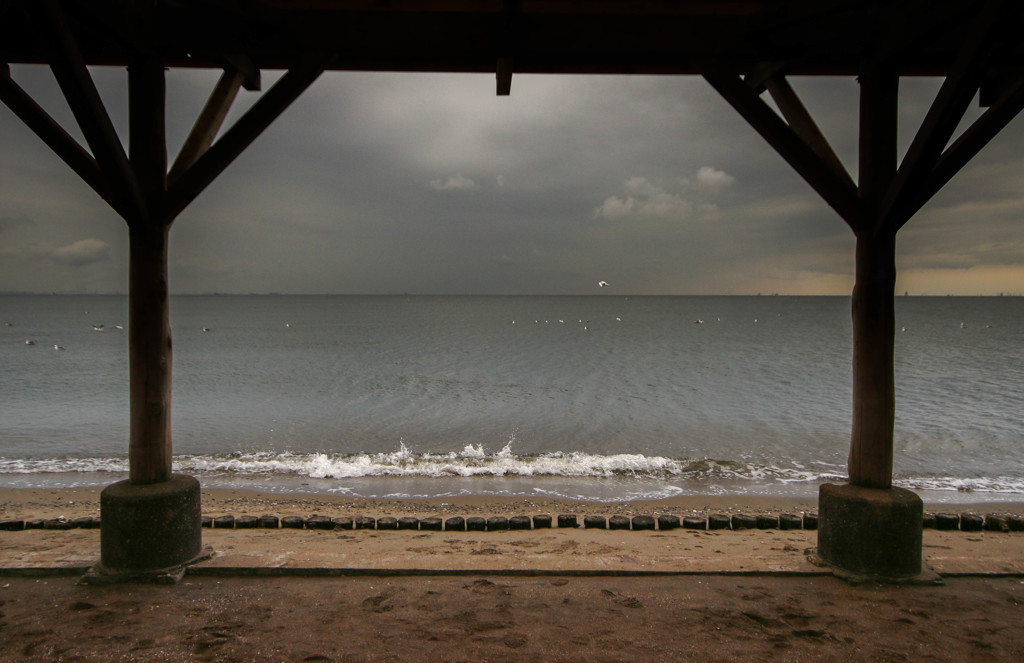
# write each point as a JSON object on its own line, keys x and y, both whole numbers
{"x": 968, "y": 145}
{"x": 208, "y": 124}
{"x": 835, "y": 189}
{"x": 55, "y": 137}
{"x": 945, "y": 113}
{"x": 800, "y": 120}
{"x": 84, "y": 100}
{"x": 219, "y": 156}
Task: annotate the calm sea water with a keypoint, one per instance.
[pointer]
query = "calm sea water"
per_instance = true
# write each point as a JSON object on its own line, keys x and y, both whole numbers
{"x": 600, "y": 397}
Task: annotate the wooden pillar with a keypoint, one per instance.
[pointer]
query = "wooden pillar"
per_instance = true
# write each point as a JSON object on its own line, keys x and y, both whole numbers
{"x": 149, "y": 337}
{"x": 874, "y": 392}
{"x": 874, "y": 400}
{"x": 149, "y": 352}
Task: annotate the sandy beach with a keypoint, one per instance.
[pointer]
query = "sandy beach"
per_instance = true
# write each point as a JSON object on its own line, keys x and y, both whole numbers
{"x": 558, "y": 594}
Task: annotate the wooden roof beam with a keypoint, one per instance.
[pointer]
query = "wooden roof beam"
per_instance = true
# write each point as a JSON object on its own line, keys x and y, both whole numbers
{"x": 124, "y": 21}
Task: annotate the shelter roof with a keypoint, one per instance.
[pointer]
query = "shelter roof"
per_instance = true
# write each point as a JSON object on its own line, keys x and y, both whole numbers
{"x": 817, "y": 37}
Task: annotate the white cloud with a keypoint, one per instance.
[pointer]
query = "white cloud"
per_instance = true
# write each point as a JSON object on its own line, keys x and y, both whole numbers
{"x": 714, "y": 179}
{"x": 454, "y": 183}
{"x": 648, "y": 199}
{"x": 640, "y": 186}
{"x": 82, "y": 252}
{"x": 660, "y": 204}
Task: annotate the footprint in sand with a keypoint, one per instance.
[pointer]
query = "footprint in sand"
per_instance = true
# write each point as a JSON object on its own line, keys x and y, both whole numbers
{"x": 376, "y": 603}
{"x": 624, "y": 601}
{"x": 484, "y": 586}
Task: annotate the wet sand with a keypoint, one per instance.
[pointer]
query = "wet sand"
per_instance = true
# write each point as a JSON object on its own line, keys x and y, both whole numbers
{"x": 85, "y": 501}
{"x": 73, "y": 502}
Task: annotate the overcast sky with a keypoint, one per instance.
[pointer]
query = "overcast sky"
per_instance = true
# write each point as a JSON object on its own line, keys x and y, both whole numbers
{"x": 424, "y": 183}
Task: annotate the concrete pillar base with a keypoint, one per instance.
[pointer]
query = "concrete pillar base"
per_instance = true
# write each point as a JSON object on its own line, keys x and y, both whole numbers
{"x": 150, "y": 529}
{"x": 870, "y": 533}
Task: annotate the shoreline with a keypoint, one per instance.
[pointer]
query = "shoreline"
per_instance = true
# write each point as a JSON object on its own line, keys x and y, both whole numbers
{"x": 24, "y": 503}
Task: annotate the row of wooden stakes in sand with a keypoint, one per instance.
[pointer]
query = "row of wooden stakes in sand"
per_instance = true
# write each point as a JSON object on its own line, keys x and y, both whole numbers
{"x": 967, "y": 522}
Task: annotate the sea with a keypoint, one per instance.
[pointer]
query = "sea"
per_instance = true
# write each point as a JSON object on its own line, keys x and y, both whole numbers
{"x": 601, "y": 397}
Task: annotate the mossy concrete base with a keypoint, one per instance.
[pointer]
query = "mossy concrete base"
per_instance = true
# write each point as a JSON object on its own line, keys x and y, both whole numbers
{"x": 870, "y": 532}
{"x": 150, "y": 527}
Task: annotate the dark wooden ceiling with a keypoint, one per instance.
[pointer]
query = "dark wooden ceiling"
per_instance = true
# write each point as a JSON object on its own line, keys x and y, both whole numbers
{"x": 820, "y": 37}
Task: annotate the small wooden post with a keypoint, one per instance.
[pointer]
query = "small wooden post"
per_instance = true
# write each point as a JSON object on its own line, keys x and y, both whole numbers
{"x": 874, "y": 391}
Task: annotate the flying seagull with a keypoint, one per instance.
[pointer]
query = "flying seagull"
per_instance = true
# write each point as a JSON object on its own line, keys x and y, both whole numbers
{"x": 602, "y": 284}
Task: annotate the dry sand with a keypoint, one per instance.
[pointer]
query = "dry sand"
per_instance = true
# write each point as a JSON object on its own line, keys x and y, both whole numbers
{"x": 749, "y": 595}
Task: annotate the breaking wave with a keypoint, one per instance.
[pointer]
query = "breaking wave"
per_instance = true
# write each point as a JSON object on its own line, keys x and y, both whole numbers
{"x": 472, "y": 461}
{"x": 475, "y": 462}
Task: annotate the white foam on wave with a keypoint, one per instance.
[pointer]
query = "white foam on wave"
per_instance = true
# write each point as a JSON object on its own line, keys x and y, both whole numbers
{"x": 474, "y": 461}
{"x": 61, "y": 465}
{"x": 963, "y": 485}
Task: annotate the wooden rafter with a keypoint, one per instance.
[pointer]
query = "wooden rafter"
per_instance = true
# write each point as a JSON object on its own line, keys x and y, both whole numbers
{"x": 219, "y": 156}
{"x": 907, "y": 26}
{"x": 84, "y": 100}
{"x": 835, "y": 188}
{"x": 120, "y": 21}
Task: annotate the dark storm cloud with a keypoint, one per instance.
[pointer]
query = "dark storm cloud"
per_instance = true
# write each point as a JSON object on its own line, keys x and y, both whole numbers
{"x": 431, "y": 183}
